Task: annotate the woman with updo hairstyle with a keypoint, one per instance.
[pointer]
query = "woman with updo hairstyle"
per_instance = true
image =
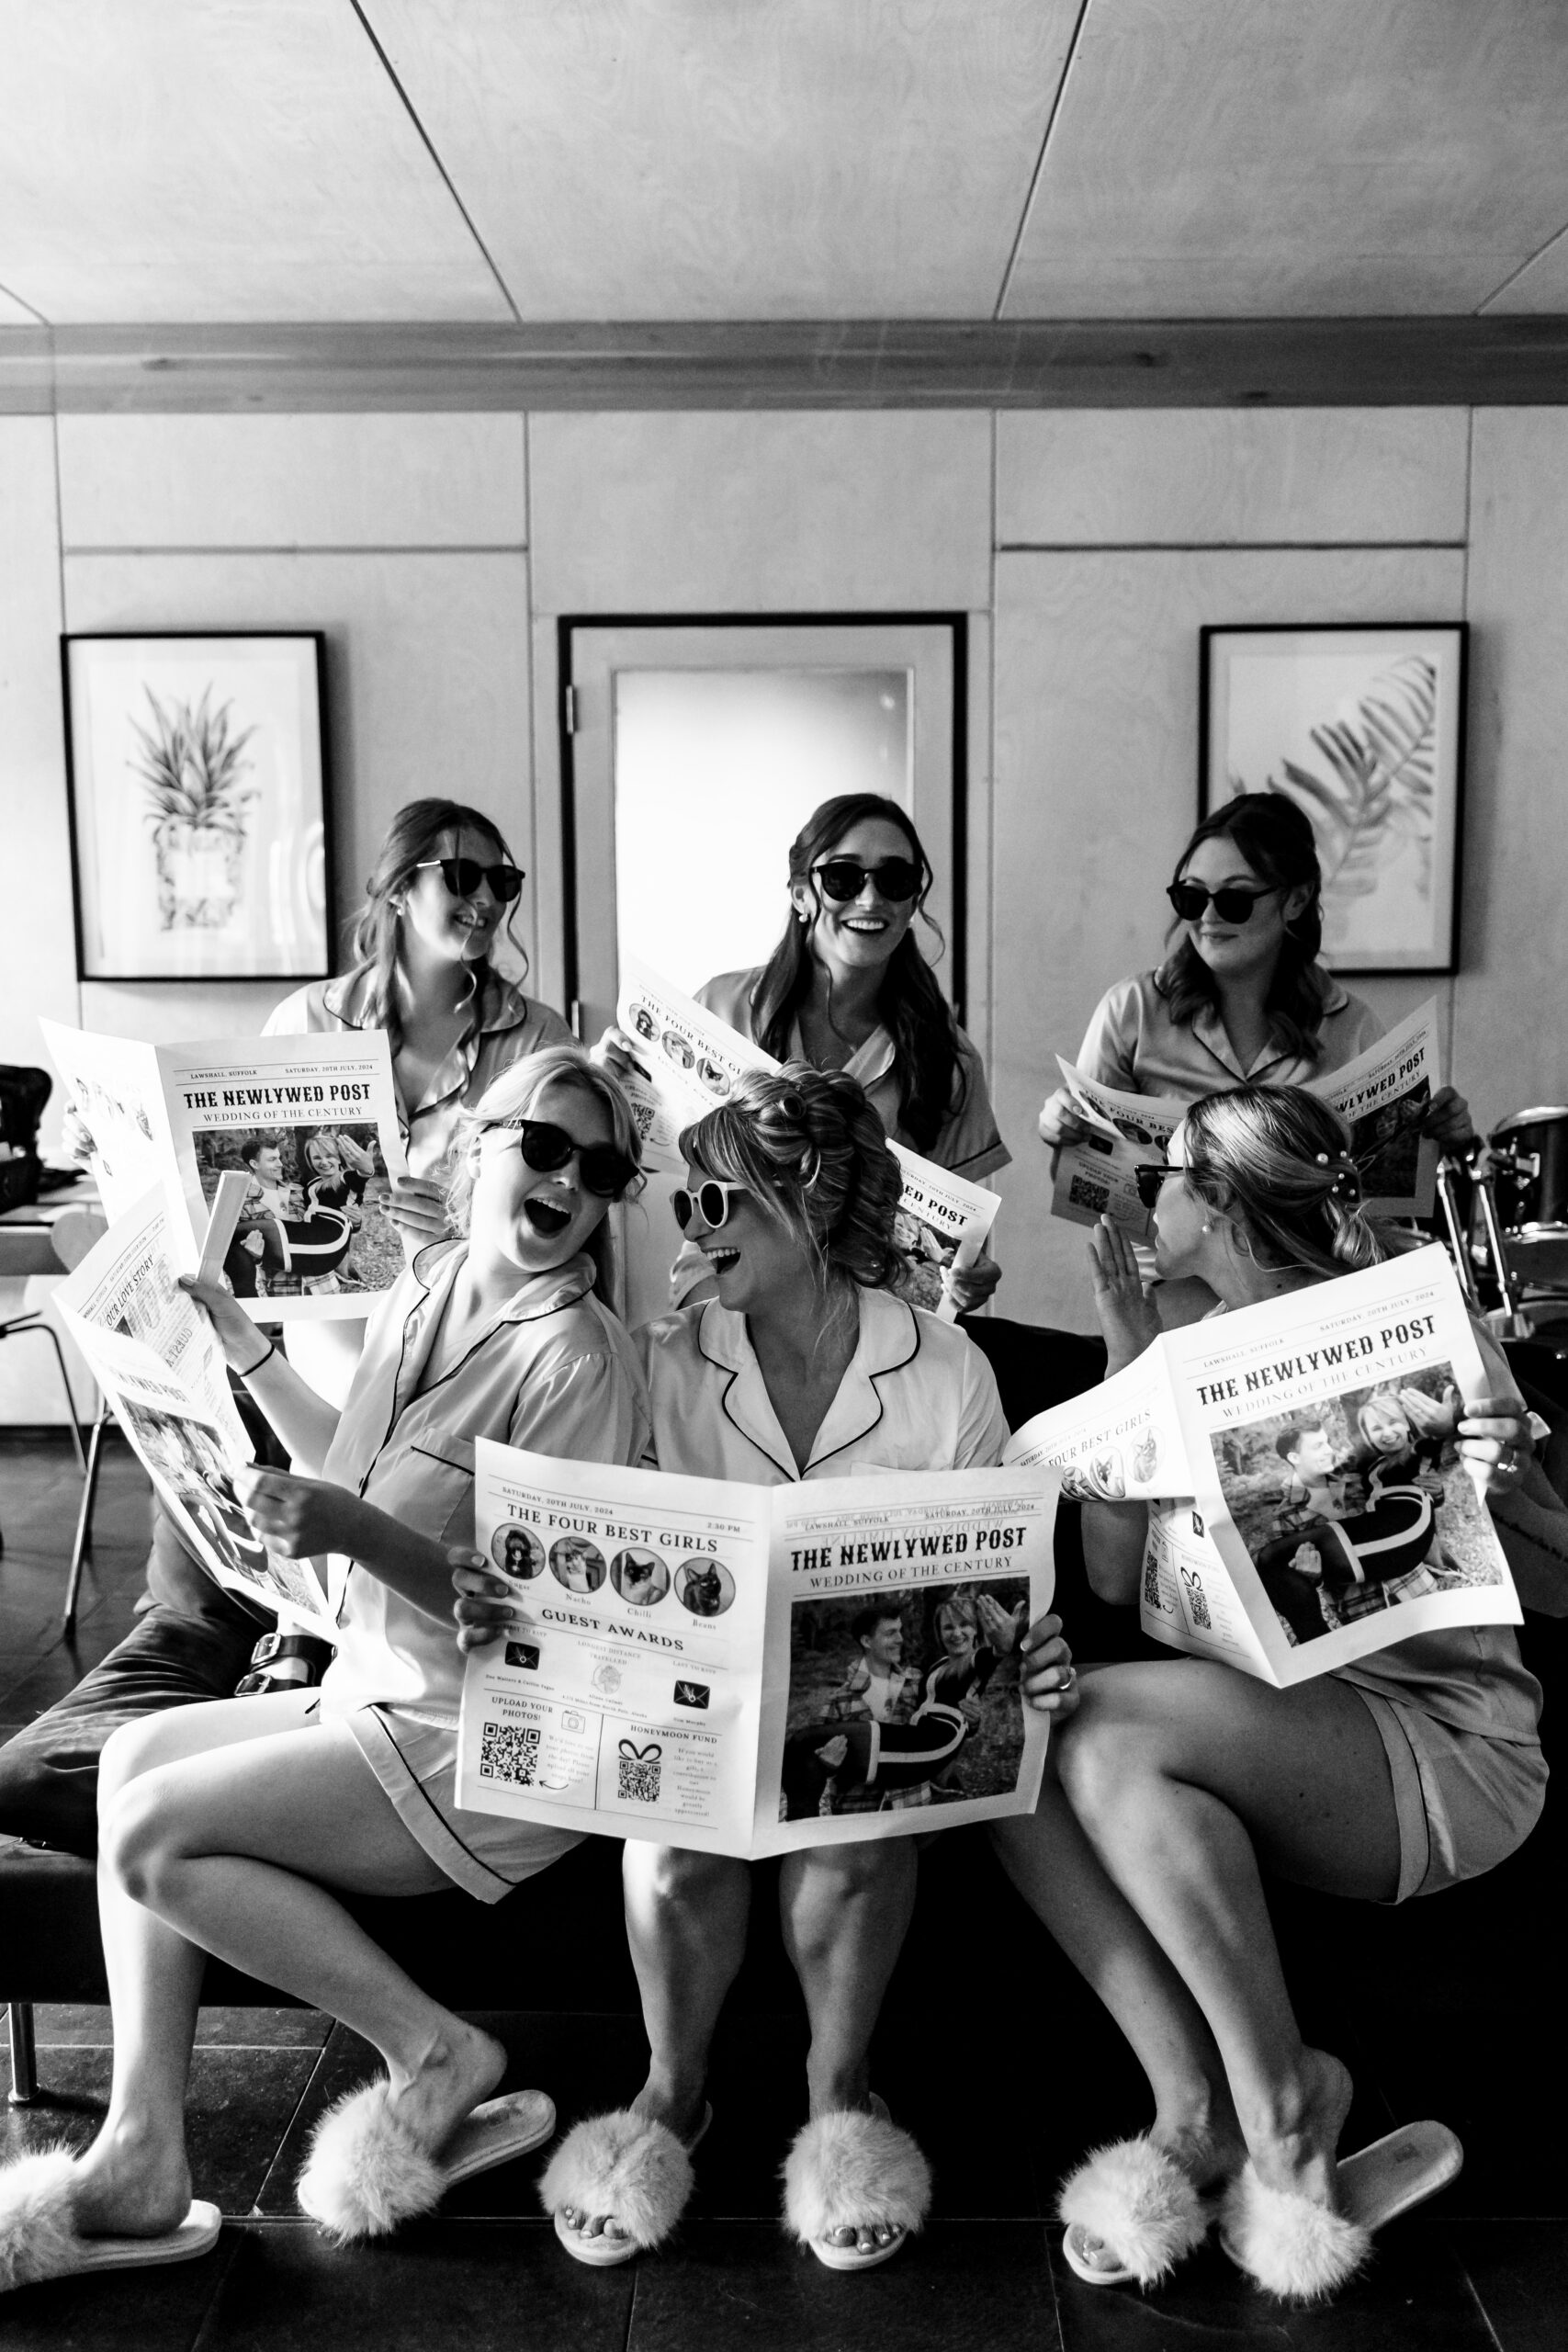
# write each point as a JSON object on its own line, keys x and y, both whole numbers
{"x": 848, "y": 988}
{"x": 805, "y": 1366}
{"x": 1177, "y": 1782}
{"x": 1241, "y": 998}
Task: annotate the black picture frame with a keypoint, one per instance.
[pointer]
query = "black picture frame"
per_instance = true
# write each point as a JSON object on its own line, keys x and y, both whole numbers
{"x": 197, "y": 795}
{"x": 1362, "y": 724}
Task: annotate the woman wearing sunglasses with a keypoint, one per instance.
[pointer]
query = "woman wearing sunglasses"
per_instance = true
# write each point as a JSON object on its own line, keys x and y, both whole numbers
{"x": 1402, "y": 1773}
{"x": 236, "y": 1826}
{"x": 1241, "y": 999}
{"x": 437, "y": 903}
{"x": 846, "y": 988}
{"x": 803, "y": 1366}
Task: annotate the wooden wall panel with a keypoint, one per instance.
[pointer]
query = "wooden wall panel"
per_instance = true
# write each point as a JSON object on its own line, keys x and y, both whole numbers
{"x": 287, "y": 481}
{"x": 1511, "y": 1019}
{"x": 743, "y": 513}
{"x": 1096, "y": 769}
{"x": 1219, "y": 478}
{"x": 427, "y": 692}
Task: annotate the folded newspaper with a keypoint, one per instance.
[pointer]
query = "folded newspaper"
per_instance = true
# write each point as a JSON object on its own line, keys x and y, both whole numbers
{"x": 751, "y": 1669}
{"x": 1308, "y": 1504}
{"x": 311, "y": 1122}
{"x": 693, "y": 1062}
{"x": 155, "y": 1356}
{"x": 1382, "y": 1096}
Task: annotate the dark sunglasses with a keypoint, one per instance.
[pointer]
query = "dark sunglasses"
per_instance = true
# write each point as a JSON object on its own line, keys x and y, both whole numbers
{"x": 1149, "y": 1175}
{"x": 710, "y": 1202}
{"x": 841, "y": 878}
{"x": 1233, "y": 904}
{"x": 606, "y": 1172}
{"x": 463, "y": 876}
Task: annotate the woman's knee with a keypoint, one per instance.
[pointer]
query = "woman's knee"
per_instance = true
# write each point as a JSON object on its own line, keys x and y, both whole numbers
{"x": 1096, "y": 1757}
{"x": 676, "y": 1878}
{"x": 138, "y": 1836}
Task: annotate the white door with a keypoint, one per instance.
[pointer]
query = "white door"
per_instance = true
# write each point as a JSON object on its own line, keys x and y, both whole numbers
{"x": 697, "y": 753}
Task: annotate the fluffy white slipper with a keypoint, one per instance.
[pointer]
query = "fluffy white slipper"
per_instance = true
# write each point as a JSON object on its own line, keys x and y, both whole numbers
{"x": 854, "y": 2171}
{"x": 367, "y": 2173}
{"x": 1302, "y": 2251}
{"x": 38, "y": 2229}
{"x": 628, "y": 2167}
{"x": 1141, "y": 2206}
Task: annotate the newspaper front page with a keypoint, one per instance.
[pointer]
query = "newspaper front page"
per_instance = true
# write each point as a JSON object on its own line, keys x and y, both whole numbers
{"x": 747, "y": 1669}
{"x": 312, "y": 1122}
{"x": 157, "y": 1360}
{"x": 1119, "y": 1442}
{"x": 943, "y": 1221}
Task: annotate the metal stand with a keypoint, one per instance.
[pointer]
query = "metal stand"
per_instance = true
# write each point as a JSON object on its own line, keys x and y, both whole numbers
{"x": 1459, "y": 1246}
{"x": 24, "y": 2054}
{"x": 83, "y": 1543}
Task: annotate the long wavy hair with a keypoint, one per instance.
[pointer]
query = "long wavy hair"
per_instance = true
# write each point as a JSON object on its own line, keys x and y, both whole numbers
{"x": 376, "y": 932}
{"x": 512, "y": 1096}
{"x": 1277, "y": 1161}
{"x": 1277, "y": 841}
{"x": 810, "y": 1150}
{"x": 926, "y": 1060}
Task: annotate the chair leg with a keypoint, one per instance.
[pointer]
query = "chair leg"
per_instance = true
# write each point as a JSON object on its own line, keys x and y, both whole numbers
{"x": 83, "y": 1543}
{"x": 35, "y": 1321}
{"x": 24, "y": 2054}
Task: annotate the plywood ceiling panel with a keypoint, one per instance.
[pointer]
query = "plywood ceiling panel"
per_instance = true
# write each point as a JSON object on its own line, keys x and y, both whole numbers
{"x": 731, "y": 159}
{"x": 219, "y": 159}
{"x": 1232, "y": 158}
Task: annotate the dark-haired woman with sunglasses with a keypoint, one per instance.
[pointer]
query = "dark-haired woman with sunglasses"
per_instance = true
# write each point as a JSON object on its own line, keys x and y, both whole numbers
{"x": 437, "y": 904}
{"x": 803, "y": 1366}
{"x": 1241, "y": 999}
{"x": 236, "y": 1827}
{"x": 846, "y": 988}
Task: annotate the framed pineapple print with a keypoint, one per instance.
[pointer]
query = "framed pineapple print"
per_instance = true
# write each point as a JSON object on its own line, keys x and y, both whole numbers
{"x": 1364, "y": 729}
{"x": 195, "y": 772}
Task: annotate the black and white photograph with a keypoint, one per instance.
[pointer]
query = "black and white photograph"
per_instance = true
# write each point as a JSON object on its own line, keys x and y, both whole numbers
{"x": 314, "y": 1220}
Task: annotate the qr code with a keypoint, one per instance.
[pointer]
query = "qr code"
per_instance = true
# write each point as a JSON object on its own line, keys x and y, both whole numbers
{"x": 1085, "y": 1193}
{"x": 1151, "y": 1581}
{"x": 637, "y": 1780}
{"x": 1196, "y": 1599}
{"x": 643, "y": 1113}
{"x": 508, "y": 1752}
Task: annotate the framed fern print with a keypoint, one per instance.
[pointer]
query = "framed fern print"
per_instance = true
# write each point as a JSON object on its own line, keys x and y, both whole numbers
{"x": 195, "y": 771}
{"x": 1364, "y": 729}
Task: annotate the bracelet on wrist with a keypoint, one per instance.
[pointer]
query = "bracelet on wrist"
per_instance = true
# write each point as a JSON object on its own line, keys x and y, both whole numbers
{"x": 251, "y": 1370}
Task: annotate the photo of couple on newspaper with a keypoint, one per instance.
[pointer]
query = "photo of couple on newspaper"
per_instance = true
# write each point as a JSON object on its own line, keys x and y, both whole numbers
{"x": 906, "y": 1698}
{"x": 1357, "y": 1504}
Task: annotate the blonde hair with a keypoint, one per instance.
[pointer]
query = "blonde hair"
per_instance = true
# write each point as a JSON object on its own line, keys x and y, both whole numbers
{"x": 512, "y": 1096}
{"x": 809, "y": 1148}
{"x": 1277, "y": 1160}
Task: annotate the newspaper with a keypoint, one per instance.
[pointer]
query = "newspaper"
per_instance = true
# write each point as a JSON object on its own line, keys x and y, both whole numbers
{"x": 941, "y": 1222}
{"x": 155, "y": 1356}
{"x": 693, "y": 1062}
{"x": 1324, "y": 1512}
{"x": 311, "y": 1121}
{"x": 749, "y": 1669}
{"x": 1382, "y": 1097}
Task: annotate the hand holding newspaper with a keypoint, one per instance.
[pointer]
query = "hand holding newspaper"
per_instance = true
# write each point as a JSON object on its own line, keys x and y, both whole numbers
{"x": 155, "y": 1356}
{"x": 1308, "y": 1505}
{"x": 688, "y": 1062}
{"x": 751, "y": 1669}
{"x": 1382, "y": 1096}
{"x": 309, "y": 1122}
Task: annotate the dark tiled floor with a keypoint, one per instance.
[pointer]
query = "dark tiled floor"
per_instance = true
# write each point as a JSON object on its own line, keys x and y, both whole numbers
{"x": 1443, "y": 2008}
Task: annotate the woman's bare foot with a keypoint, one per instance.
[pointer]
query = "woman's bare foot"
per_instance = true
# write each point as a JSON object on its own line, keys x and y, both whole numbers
{"x": 130, "y": 2184}
{"x": 461, "y": 2067}
{"x": 1292, "y": 2145}
{"x": 1209, "y": 2149}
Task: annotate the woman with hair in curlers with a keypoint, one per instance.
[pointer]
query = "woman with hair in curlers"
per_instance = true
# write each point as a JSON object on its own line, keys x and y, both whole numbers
{"x": 806, "y": 1365}
{"x": 848, "y": 988}
{"x": 1241, "y": 1000}
{"x": 1176, "y": 1783}
{"x": 236, "y": 1826}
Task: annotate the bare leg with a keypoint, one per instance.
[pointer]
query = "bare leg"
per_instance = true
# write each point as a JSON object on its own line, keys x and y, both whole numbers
{"x": 686, "y": 1916}
{"x": 845, "y": 1911}
{"x": 1182, "y": 1777}
{"x": 209, "y": 1849}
